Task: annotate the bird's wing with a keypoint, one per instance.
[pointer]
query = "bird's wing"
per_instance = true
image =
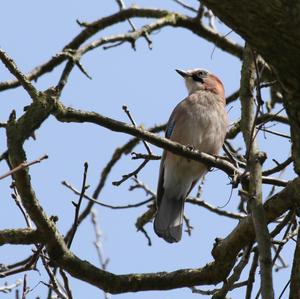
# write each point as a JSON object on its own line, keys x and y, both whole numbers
{"x": 168, "y": 134}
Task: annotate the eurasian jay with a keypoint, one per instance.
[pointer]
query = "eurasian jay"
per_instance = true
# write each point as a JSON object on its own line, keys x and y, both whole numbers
{"x": 200, "y": 121}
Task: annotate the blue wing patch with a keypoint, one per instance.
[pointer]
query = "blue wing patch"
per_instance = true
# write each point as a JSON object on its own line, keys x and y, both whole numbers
{"x": 170, "y": 128}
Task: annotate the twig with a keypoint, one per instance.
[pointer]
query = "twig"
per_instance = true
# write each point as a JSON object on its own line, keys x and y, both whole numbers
{"x": 30, "y": 264}
{"x": 125, "y": 108}
{"x": 66, "y": 283}
{"x": 213, "y": 209}
{"x": 4, "y": 156}
{"x": 136, "y": 156}
{"x": 146, "y": 235}
{"x": 136, "y": 171}
{"x": 284, "y": 289}
{"x": 143, "y": 220}
{"x": 251, "y": 277}
{"x": 23, "y": 165}
{"x": 274, "y": 132}
{"x": 279, "y": 248}
{"x": 54, "y": 283}
{"x": 77, "y": 206}
{"x": 66, "y": 184}
{"x": 189, "y": 228}
{"x": 186, "y": 6}
{"x": 235, "y": 276}
{"x": 18, "y": 202}
{"x": 234, "y": 96}
{"x": 125, "y": 177}
{"x": 118, "y": 153}
{"x": 25, "y": 289}
{"x": 282, "y": 223}
{"x": 146, "y": 34}
{"x": 93, "y": 28}
{"x": 98, "y": 245}
{"x": 98, "y": 242}
{"x": 268, "y": 84}
{"x": 260, "y": 122}
{"x": 203, "y": 292}
{"x": 278, "y": 167}
{"x": 141, "y": 185}
{"x": 6, "y": 288}
{"x": 22, "y": 79}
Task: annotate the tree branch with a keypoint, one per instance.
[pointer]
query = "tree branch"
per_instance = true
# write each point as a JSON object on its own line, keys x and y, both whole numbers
{"x": 21, "y": 236}
{"x": 255, "y": 167}
{"x": 167, "y": 19}
{"x": 295, "y": 276}
{"x": 23, "y": 165}
{"x": 21, "y": 79}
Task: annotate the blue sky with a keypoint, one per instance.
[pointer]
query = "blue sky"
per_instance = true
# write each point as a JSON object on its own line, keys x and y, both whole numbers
{"x": 144, "y": 80}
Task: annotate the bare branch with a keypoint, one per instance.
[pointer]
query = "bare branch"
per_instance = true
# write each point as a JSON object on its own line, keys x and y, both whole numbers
{"x": 204, "y": 204}
{"x": 22, "y": 79}
{"x": 23, "y": 165}
{"x": 7, "y": 288}
{"x": 249, "y": 69}
{"x": 136, "y": 156}
{"x": 98, "y": 245}
{"x": 125, "y": 177}
{"x": 169, "y": 19}
{"x": 20, "y": 236}
{"x": 251, "y": 277}
{"x": 186, "y": 6}
{"x": 125, "y": 108}
{"x": 68, "y": 114}
{"x": 278, "y": 167}
{"x": 237, "y": 271}
{"x": 66, "y": 184}
{"x": 77, "y": 206}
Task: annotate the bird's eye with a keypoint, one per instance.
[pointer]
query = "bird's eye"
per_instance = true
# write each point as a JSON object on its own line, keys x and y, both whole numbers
{"x": 202, "y": 73}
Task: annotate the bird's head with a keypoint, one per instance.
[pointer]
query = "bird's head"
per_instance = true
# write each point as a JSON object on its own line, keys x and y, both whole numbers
{"x": 200, "y": 79}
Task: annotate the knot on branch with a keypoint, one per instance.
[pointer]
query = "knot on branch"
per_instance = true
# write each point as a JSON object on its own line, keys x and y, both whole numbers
{"x": 261, "y": 157}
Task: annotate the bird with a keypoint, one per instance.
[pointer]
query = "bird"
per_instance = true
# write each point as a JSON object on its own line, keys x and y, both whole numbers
{"x": 199, "y": 121}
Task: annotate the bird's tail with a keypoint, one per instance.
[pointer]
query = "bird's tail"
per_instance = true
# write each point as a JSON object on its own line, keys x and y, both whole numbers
{"x": 169, "y": 218}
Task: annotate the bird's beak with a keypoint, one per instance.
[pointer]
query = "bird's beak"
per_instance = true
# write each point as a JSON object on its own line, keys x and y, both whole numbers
{"x": 182, "y": 73}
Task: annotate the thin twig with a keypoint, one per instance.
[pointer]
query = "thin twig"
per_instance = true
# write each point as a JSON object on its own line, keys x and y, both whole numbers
{"x": 189, "y": 228}
{"x": 7, "y": 288}
{"x": 186, "y": 6}
{"x": 66, "y": 283}
{"x": 125, "y": 108}
{"x": 273, "y": 132}
{"x": 204, "y": 204}
{"x": 235, "y": 276}
{"x": 98, "y": 245}
{"x": 125, "y": 177}
{"x": 19, "y": 204}
{"x": 25, "y": 289}
{"x": 136, "y": 156}
{"x": 284, "y": 289}
{"x": 278, "y": 167}
{"x": 23, "y": 165}
{"x": 54, "y": 286}
{"x": 251, "y": 276}
{"x": 77, "y": 206}
{"x": 26, "y": 265}
{"x": 69, "y": 186}
{"x": 146, "y": 34}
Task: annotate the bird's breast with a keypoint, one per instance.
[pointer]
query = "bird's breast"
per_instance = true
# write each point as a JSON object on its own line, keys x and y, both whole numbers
{"x": 202, "y": 126}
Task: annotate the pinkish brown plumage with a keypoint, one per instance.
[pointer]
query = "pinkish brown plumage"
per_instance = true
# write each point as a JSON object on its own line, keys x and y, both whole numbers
{"x": 200, "y": 120}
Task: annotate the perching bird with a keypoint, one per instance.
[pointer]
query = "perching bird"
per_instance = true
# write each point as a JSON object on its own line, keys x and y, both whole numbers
{"x": 200, "y": 121}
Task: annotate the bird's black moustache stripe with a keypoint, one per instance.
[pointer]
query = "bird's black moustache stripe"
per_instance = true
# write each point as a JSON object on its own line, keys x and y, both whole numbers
{"x": 198, "y": 79}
